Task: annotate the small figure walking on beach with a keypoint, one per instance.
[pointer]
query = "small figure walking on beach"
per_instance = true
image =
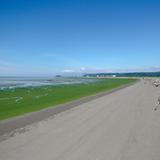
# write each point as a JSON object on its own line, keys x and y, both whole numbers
{"x": 158, "y": 104}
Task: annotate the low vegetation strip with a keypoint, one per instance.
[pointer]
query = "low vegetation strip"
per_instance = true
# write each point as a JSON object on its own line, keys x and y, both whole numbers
{"x": 14, "y": 102}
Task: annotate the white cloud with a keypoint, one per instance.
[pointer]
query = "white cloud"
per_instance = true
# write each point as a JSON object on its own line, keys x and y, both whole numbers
{"x": 68, "y": 71}
{"x": 83, "y": 68}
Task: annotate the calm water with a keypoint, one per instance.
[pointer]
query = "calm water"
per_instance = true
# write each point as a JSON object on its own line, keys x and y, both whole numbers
{"x": 14, "y": 82}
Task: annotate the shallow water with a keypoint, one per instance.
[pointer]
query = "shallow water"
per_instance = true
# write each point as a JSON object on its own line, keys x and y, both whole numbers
{"x": 16, "y": 82}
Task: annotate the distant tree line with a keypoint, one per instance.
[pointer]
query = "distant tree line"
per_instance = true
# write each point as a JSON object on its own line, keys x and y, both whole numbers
{"x": 135, "y": 74}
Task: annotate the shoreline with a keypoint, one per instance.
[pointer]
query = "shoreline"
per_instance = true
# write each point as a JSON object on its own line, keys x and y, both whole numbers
{"x": 12, "y": 124}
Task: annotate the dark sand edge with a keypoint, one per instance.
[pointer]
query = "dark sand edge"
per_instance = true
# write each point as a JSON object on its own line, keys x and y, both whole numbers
{"x": 12, "y": 124}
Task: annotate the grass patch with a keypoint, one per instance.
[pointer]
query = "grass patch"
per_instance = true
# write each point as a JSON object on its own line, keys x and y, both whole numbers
{"x": 14, "y": 102}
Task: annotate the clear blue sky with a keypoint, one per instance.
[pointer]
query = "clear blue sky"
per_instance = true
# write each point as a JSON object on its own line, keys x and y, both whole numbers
{"x": 42, "y": 37}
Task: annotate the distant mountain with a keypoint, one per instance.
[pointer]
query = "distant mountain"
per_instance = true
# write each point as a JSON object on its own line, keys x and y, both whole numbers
{"x": 135, "y": 74}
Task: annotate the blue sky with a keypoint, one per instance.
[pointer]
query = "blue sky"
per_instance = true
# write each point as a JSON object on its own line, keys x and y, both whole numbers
{"x": 44, "y": 37}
